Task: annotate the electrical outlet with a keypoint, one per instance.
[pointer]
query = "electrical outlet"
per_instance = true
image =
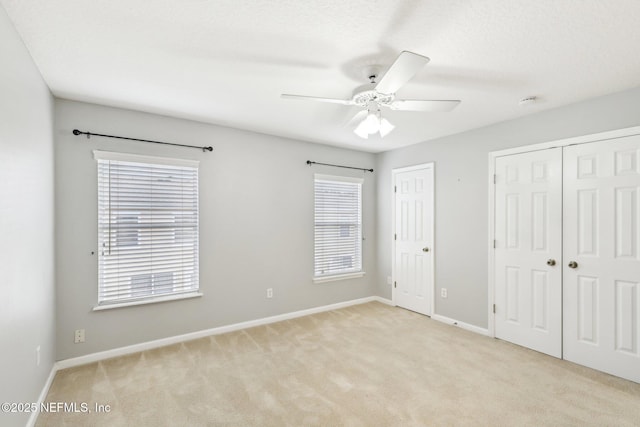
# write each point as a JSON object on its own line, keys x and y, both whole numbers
{"x": 79, "y": 336}
{"x": 443, "y": 292}
{"x": 269, "y": 292}
{"x": 38, "y": 356}
{"x": 388, "y": 280}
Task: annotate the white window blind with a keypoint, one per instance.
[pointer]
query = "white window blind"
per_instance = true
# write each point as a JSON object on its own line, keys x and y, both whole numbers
{"x": 147, "y": 227}
{"x": 338, "y": 226}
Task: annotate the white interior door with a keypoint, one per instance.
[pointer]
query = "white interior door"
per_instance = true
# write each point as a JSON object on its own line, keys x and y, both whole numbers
{"x": 413, "y": 253}
{"x": 601, "y": 259}
{"x": 528, "y": 249}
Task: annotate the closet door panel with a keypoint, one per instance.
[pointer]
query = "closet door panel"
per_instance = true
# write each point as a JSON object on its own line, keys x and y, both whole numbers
{"x": 528, "y": 250}
{"x": 601, "y": 272}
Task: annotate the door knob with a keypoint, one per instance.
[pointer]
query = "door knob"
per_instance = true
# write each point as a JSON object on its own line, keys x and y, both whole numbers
{"x": 573, "y": 264}
{"x": 551, "y": 262}
{"x": 425, "y": 249}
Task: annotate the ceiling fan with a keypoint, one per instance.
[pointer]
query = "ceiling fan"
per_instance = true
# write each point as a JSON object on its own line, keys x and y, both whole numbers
{"x": 376, "y": 94}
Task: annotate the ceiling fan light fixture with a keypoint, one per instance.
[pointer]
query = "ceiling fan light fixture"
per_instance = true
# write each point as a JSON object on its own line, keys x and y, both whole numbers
{"x": 385, "y": 127}
{"x": 372, "y": 122}
{"x": 361, "y": 130}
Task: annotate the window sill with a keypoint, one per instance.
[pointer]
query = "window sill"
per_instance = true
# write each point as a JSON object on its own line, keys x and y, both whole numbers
{"x": 109, "y": 306}
{"x": 333, "y": 278}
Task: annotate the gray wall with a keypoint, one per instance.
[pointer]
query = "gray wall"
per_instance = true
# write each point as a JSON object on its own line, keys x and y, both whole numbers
{"x": 461, "y": 199}
{"x": 256, "y": 210}
{"x": 256, "y": 227}
{"x": 26, "y": 225}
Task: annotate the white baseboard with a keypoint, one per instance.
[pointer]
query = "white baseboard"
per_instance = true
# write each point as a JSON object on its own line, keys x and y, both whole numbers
{"x": 102, "y": 355}
{"x": 43, "y": 395}
{"x": 383, "y": 300}
{"x": 467, "y": 326}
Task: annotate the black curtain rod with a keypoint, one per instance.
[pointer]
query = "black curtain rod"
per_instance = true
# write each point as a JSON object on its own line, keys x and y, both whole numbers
{"x": 309, "y": 162}
{"x": 78, "y": 132}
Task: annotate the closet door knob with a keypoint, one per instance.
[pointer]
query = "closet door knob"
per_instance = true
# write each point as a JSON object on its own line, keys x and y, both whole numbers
{"x": 573, "y": 264}
{"x": 551, "y": 262}
{"x": 425, "y": 249}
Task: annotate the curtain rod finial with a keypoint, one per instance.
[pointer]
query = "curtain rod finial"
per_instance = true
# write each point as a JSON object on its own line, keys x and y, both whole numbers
{"x": 76, "y": 132}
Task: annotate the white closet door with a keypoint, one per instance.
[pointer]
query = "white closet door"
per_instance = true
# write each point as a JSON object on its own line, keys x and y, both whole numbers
{"x": 528, "y": 265}
{"x": 413, "y": 258}
{"x": 601, "y": 256}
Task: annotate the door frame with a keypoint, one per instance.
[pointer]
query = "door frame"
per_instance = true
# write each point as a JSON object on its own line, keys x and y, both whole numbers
{"x": 394, "y": 172}
{"x": 602, "y": 136}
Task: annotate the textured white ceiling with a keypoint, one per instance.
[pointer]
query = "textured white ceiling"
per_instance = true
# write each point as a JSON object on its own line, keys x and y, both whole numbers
{"x": 227, "y": 61}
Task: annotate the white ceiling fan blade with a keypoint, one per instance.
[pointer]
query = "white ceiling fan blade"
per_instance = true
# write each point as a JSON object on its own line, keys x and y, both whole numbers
{"x": 315, "y": 98}
{"x": 424, "y": 105}
{"x": 360, "y": 115}
{"x": 401, "y": 71}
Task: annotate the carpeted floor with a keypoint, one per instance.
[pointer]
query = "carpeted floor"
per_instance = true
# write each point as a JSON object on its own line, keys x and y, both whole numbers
{"x": 366, "y": 365}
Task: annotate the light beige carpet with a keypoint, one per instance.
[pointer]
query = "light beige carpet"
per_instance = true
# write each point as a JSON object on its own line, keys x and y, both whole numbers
{"x": 366, "y": 365}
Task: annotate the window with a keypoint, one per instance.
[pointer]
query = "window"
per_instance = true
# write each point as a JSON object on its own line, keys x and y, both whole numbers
{"x": 338, "y": 228}
{"x": 147, "y": 228}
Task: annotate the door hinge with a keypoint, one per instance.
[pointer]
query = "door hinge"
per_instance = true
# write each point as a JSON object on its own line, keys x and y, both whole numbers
{"x": 395, "y": 284}
{"x": 494, "y": 178}
{"x": 494, "y": 309}
{"x": 395, "y": 236}
{"x": 395, "y": 188}
{"x": 494, "y": 243}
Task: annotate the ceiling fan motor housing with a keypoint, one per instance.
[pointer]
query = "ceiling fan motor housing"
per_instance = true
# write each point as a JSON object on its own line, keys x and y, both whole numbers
{"x": 366, "y": 94}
